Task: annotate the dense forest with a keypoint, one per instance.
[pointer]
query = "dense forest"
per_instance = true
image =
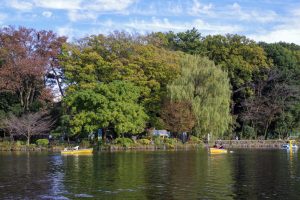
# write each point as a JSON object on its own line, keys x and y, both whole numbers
{"x": 127, "y": 84}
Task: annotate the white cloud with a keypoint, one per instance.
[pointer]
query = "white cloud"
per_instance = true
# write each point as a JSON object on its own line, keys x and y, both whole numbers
{"x": 238, "y": 13}
{"x": 210, "y": 28}
{"x": 47, "y": 14}
{"x": 58, "y": 4}
{"x": 107, "y": 5}
{"x": 75, "y": 15}
{"x": 156, "y": 24}
{"x": 175, "y": 9}
{"x": 66, "y": 30}
{"x": 289, "y": 31}
{"x": 198, "y": 8}
{"x": 94, "y": 5}
{"x": 77, "y": 9}
{"x": 20, "y": 5}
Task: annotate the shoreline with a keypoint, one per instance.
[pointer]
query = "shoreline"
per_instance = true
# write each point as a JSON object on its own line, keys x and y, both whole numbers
{"x": 228, "y": 144}
{"x": 106, "y": 148}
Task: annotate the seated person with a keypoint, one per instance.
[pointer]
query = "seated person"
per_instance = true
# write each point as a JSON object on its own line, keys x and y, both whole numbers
{"x": 76, "y": 148}
{"x": 215, "y": 145}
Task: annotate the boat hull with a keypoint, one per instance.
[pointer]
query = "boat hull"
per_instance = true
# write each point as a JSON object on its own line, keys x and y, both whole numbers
{"x": 217, "y": 151}
{"x": 77, "y": 152}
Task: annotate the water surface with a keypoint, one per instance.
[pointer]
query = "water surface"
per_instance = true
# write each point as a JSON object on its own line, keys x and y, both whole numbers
{"x": 244, "y": 174}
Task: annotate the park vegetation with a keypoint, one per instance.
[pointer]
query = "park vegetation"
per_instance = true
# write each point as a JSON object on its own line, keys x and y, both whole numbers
{"x": 128, "y": 84}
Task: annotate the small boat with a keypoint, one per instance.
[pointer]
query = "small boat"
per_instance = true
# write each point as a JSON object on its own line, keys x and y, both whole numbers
{"x": 217, "y": 151}
{"x": 77, "y": 151}
{"x": 286, "y": 146}
{"x": 290, "y": 145}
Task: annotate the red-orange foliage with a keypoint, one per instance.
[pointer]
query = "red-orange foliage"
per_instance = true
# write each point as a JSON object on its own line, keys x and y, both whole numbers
{"x": 178, "y": 116}
{"x": 27, "y": 57}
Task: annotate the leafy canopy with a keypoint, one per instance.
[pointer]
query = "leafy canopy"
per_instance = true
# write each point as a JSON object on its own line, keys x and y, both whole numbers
{"x": 112, "y": 105}
{"x": 207, "y": 88}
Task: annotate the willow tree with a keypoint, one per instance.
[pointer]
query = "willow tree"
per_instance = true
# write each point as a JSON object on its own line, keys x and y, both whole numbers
{"x": 207, "y": 88}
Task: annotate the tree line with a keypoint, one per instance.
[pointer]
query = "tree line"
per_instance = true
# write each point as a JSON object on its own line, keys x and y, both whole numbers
{"x": 222, "y": 85}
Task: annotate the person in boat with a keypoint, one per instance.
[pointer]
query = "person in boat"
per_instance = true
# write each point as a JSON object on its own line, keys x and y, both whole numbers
{"x": 221, "y": 146}
{"x": 76, "y": 148}
{"x": 215, "y": 145}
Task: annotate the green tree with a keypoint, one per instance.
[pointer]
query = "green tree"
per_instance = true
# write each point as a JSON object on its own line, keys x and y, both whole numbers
{"x": 121, "y": 56}
{"x": 207, "y": 88}
{"x": 243, "y": 59}
{"x": 286, "y": 62}
{"x": 113, "y": 105}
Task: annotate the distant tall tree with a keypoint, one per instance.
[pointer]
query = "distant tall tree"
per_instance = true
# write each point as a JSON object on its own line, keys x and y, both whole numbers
{"x": 189, "y": 41}
{"x": 207, "y": 88}
{"x": 286, "y": 63}
{"x": 26, "y": 57}
{"x": 269, "y": 103}
{"x": 178, "y": 116}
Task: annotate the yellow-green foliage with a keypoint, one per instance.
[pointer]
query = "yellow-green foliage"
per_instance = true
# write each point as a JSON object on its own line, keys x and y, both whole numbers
{"x": 144, "y": 141}
{"x": 171, "y": 141}
{"x": 126, "y": 142}
{"x": 158, "y": 140}
{"x": 207, "y": 88}
{"x": 42, "y": 142}
{"x": 194, "y": 140}
{"x": 85, "y": 143}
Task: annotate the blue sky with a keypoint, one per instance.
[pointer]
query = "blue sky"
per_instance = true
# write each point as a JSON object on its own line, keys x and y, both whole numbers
{"x": 261, "y": 20}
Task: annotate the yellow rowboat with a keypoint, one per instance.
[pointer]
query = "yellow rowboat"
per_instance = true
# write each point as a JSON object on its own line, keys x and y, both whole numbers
{"x": 77, "y": 152}
{"x": 217, "y": 151}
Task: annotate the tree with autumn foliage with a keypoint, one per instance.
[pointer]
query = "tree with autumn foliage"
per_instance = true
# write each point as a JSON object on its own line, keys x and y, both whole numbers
{"x": 28, "y": 57}
{"x": 178, "y": 116}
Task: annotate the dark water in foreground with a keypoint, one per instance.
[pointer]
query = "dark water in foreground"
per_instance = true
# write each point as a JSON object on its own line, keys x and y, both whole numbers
{"x": 244, "y": 174}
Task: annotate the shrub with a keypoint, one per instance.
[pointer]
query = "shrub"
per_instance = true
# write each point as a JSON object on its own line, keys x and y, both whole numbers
{"x": 170, "y": 141}
{"x": 170, "y": 146}
{"x": 248, "y": 132}
{"x": 195, "y": 140}
{"x": 32, "y": 146}
{"x": 20, "y": 143}
{"x": 5, "y": 144}
{"x": 158, "y": 140}
{"x": 42, "y": 142}
{"x": 85, "y": 143}
{"x": 126, "y": 142}
{"x": 144, "y": 141}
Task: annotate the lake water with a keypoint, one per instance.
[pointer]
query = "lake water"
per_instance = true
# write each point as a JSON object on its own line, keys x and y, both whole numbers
{"x": 244, "y": 174}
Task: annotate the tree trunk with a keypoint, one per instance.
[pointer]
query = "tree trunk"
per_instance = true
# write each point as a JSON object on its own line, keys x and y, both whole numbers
{"x": 28, "y": 140}
{"x": 266, "y": 130}
{"x": 104, "y": 136}
{"x": 27, "y": 99}
{"x": 59, "y": 84}
{"x": 21, "y": 99}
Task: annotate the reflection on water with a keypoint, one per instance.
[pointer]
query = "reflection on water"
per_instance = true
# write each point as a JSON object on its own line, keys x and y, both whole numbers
{"x": 245, "y": 174}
